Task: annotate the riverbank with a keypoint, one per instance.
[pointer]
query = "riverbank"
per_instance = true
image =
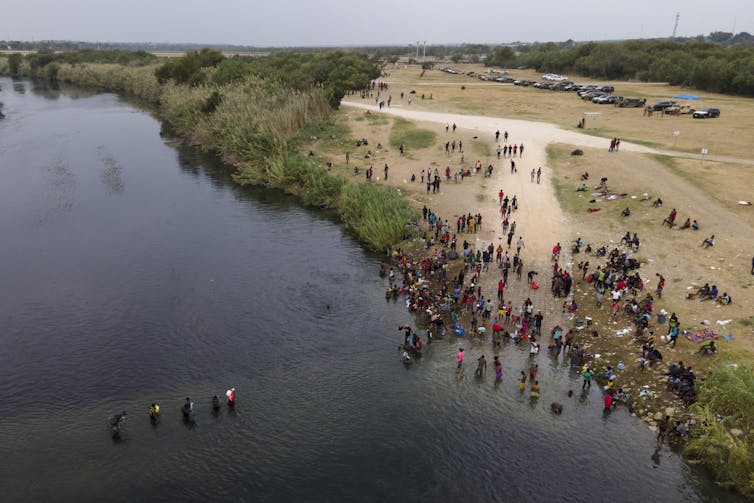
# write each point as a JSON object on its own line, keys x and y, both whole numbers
{"x": 162, "y": 250}
{"x": 647, "y": 391}
{"x": 540, "y": 217}
{"x": 256, "y": 126}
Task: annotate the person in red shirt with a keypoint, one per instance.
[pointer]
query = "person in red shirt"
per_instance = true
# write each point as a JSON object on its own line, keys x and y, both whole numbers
{"x": 608, "y": 401}
{"x": 231, "y": 394}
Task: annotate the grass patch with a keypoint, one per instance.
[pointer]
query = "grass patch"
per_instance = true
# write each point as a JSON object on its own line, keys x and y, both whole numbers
{"x": 556, "y": 153}
{"x": 567, "y": 197}
{"x": 646, "y": 143}
{"x": 376, "y": 119}
{"x": 410, "y": 136}
{"x": 331, "y": 136}
{"x": 481, "y": 148}
{"x": 666, "y": 160}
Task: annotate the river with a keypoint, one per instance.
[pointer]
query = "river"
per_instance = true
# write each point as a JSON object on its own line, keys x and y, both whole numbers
{"x": 133, "y": 271}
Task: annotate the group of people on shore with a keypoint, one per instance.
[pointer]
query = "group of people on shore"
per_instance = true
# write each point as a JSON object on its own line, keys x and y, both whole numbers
{"x": 444, "y": 304}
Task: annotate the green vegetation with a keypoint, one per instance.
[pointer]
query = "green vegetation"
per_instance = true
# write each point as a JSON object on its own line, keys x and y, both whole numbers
{"x": 336, "y": 72}
{"x": 189, "y": 69}
{"x": 699, "y": 64}
{"x": 45, "y": 64}
{"x": 413, "y": 138}
{"x": 332, "y": 137}
{"x": 726, "y": 446}
{"x": 481, "y": 148}
{"x": 376, "y": 119}
{"x": 502, "y": 56}
{"x": 14, "y": 64}
{"x": 257, "y": 115}
{"x": 377, "y": 213}
{"x": 138, "y": 81}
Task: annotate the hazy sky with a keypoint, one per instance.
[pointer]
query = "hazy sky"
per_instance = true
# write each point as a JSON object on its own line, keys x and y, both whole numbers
{"x": 354, "y": 22}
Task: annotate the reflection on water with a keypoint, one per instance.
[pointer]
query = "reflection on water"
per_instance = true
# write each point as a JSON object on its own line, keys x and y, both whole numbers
{"x": 155, "y": 278}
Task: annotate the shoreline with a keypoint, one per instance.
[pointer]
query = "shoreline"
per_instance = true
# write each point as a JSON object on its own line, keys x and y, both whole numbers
{"x": 553, "y": 222}
{"x": 548, "y": 221}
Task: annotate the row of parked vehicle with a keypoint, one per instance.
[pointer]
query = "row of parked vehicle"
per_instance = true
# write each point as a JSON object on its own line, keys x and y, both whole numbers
{"x": 603, "y": 95}
{"x": 670, "y": 107}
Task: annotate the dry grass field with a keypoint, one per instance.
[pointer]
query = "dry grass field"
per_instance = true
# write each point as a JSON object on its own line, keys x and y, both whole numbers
{"x": 674, "y": 253}
{"x": 722, "y": 136}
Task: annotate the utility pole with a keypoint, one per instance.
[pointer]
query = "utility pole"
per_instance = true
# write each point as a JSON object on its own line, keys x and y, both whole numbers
{"x": 677, "y": 17}
{"x": 424, "y": 51}
{"x": 417, "y": 49}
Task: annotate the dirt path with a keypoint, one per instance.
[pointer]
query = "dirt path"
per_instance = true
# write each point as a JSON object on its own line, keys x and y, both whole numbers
{"x": 540, "y": 221}
{"x": 538, "y": 134}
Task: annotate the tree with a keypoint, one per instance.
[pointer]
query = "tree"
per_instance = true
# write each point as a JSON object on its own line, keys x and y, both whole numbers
{"x": 502, "y": 57}
{"x": 14, "y": 63}
{"x": 188, "y": 69}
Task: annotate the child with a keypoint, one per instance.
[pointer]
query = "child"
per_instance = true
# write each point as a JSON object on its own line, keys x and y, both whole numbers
{"x": 535, "y": 389}
{"x": 522, "y": 384}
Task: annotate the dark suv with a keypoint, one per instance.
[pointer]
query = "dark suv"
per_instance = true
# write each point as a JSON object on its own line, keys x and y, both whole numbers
{"x": 660, "y": 105}
{"x": 706, "y": 113}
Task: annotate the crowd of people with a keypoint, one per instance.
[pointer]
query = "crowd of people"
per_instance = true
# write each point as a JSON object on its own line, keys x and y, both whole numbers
{"x": 448, "y": 296}
{"x": 441, "y": 283}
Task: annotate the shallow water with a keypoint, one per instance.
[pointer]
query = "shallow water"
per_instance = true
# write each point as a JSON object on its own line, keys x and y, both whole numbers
{"x": 133, "y": 271}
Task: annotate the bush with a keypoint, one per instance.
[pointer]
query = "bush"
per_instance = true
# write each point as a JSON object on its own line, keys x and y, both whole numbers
{"x": 14, "y": 64}
{"x": 188, "y": 69}
{"x": 727, "y": 392}
{"x": 377, "y": 213}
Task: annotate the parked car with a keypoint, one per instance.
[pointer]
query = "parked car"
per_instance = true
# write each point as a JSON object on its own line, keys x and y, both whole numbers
{"x": 660, "y": 105}
{"x": 607, "y": 99}
{"x": 706, "y": 113}
{"x": 631, "y": 103}
{"x": 563, "y": 85}
{"x": 590, "y": 95}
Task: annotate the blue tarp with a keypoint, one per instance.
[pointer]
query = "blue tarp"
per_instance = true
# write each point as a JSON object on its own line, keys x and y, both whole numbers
{"x": 686, "y": 97}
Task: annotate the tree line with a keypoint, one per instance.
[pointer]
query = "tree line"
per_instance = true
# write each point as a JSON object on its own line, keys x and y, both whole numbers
{"x": 45, "y": 63}
{"x": 336, "y": 72}
{"x": 699, "y": 64}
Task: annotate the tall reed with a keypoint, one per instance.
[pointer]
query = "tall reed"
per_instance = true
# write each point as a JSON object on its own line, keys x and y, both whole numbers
{"x": 725, "y": 442}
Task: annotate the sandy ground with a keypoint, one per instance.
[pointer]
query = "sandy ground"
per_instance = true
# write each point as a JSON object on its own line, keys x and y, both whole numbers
{"x": 539, "y": 214}
{"x": 542, "y": 222}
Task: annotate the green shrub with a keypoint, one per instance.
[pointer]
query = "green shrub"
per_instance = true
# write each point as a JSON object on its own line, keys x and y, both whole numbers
{"x": 727, "y": 392}
{"x": 377, "y": 213}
